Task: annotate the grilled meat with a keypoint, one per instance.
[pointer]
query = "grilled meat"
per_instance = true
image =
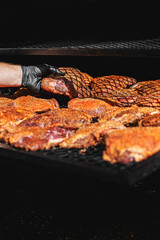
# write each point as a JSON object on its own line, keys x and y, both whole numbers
{"x": 87, "y": 78}
{"x": 11, "y": 117}
{"x": 121, "y": 98}
{"x": 90, "y": 135}
{"x": 59, "y": 117}
{"x": 59, "y": 85}
{"x": 34, "y": 104}
{"x": 4, "y": 102}
{"x": 73, "y": 84}
{"x": 102, "y": 86}
{"x": 132, "y": 144}
{"x": 91, "y": 106}
{"x": 153, "y": 120}
{"x": 148, "y": 93}
{"x": 128, "y": 115}
{"x": 148, "y": 101}
{"x": 147, "y": 88}
{"x": 35, "y": 138}
{"x": 78, "y": 84}
{"x": 76, "y": 76}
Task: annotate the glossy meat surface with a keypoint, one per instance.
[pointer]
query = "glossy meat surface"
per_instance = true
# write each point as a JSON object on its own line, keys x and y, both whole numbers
{"x": 90, "y": 135}
{"x": 76, "y": 76}
{"x": 132, "y": 144}
{"x": 91, "y": 106}
{"x": 87, "y": 78}
{"x": 102, "y": 86}
{"x": 147, "y": 88}
{"x": 60, "y": 117}
{"x": 148, "y": 101}
{"x": 128, "y": 115}
{"x": 122, "y": 98}
{"x": 35, "y": 138}
{"x": 148, "y": 93}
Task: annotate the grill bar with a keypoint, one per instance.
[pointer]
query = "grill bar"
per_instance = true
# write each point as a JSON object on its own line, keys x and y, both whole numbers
{"x": 144, "y": 48}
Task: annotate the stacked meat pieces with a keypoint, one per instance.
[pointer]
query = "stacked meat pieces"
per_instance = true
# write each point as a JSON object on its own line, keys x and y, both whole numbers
{"x": 112, "y": 110}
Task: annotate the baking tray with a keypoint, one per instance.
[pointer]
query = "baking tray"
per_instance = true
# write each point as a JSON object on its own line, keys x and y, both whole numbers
{"x": 89, "y": 164}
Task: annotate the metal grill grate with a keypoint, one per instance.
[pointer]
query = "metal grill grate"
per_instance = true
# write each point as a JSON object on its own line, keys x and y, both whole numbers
{"x": 146, "y": 47}
{"x": 89, "y": 163}
{"x": 148, "y": 44}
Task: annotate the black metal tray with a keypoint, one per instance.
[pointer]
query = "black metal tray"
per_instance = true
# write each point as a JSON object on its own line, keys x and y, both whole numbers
{"x": 89, "y": 164}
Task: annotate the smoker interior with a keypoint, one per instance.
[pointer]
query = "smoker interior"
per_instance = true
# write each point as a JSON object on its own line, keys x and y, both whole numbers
{"x": 91, "y": 162}
{"x": 55, "y": 202}
{"x": 141, "y": 68}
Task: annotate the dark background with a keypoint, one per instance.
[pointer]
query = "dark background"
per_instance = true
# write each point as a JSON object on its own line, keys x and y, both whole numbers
{"x": 38, "y": 20}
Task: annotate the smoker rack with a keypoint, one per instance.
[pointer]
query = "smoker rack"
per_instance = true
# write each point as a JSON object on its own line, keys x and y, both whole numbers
{"x": 81, "y": 47}
{"x": 89, "y": 164}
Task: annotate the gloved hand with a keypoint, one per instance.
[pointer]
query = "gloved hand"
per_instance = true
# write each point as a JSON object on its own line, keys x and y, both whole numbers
{"x": 33, "y": 75}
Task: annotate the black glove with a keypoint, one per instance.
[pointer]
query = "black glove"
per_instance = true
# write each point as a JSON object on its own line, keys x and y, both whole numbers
{"x": 33, "y": 75}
